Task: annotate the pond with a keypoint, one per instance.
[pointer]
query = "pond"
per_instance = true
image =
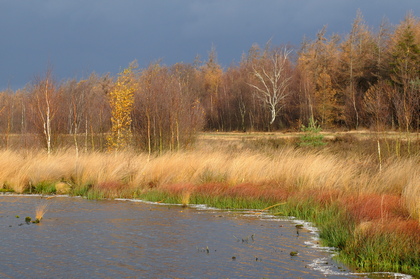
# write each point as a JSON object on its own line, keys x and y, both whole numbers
{"x": 79, "y": 238}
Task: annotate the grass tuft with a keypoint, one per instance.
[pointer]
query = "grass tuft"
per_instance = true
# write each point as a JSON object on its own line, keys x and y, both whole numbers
{"x": 40, "y": 211}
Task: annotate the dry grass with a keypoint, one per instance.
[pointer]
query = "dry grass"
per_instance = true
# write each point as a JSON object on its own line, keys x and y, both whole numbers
{"x": 277, "y": 173}
{"x": 40, "y": 211}
{"x": 411, "y": 195}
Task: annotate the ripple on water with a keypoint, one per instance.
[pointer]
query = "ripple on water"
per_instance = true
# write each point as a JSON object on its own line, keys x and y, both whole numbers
{"x": 79, "y": 238}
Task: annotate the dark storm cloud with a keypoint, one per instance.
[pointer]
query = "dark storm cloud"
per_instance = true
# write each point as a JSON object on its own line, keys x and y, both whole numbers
{"x": 78, "y": 37}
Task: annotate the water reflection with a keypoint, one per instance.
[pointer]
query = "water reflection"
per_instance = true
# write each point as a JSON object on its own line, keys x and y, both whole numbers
{"x": 79, "y": 238}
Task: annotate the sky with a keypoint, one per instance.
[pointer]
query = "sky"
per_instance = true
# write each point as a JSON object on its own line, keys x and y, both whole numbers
{"x": 78, "y": 37}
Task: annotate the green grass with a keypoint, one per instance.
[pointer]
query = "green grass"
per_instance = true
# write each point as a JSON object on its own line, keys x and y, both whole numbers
{"x": 159, "y": 196}
{"x": 6, "y": 190}
{"x": 44, "y": 187}
{"x": 227, "y": 202}
{"x": 334, "y": 225}
{"x": 222, "y": 202}
{"x": 80, "y": 190}
{"x": 93, "y": 194}
{"x": 383, "y": 251}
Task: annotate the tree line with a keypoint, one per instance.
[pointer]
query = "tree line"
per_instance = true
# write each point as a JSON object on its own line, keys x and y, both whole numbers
{"x": 366, "y": 78}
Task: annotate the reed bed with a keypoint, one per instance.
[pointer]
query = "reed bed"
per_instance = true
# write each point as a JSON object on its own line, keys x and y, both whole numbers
{"x": 286, "y": 170}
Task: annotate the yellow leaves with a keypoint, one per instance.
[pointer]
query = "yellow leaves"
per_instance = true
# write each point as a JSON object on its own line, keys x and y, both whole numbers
{"x": 121, "y": 100}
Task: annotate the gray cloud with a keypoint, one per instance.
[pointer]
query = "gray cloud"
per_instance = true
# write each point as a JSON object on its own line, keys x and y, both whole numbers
{"x": 81, "y": 36}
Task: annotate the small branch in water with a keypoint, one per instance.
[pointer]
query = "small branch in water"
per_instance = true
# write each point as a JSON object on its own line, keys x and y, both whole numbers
{"x": 265, "y": 209}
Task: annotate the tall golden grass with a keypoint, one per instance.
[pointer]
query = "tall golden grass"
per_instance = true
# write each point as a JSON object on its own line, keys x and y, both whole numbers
{"x": 288, "y": 170}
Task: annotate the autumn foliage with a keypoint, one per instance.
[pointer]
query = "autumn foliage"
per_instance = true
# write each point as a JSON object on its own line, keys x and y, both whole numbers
{"x": 363, "y": 79}
{"x": 121, "y": 100}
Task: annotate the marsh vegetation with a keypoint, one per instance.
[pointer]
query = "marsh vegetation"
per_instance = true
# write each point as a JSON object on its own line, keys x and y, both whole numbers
{"x": 370, "y": 213}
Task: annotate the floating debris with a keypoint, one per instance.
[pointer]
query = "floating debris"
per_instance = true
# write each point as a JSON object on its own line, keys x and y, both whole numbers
{"x": 206, "y": 250}
{"x": 294, "y": 253}
{"x": 246, "y": 239}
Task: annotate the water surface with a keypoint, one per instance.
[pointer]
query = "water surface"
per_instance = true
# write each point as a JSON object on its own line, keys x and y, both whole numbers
{"x": 79, "y": 238}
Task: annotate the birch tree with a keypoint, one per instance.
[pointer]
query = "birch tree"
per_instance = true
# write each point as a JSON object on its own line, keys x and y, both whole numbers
{"x": 45, "y": 105}
{"x": 272, "y": 79}
{"x": 121, "y": 100}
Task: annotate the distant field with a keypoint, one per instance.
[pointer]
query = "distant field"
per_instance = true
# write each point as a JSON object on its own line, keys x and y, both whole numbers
{"x": 360, "y": 134}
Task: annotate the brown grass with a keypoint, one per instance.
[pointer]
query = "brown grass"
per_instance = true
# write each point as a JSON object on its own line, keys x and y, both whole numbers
{"x": 231, "y": 172}
{"x": 375, "y": 207}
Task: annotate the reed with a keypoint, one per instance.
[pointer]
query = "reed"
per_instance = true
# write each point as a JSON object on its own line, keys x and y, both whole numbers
{"x": 40, "y": 211}
{"x": 285, "y": 170}
{"x": 185, "y": 200}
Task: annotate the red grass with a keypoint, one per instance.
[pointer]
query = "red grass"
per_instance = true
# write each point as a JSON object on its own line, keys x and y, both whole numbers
{"x": 211, "y": 189}
{"x": 402, "y": 229}
{"x": 323, "y": 197}
{"x": 369, "y": 207}
{"x": 110, "y": 189}
{"x": 248, "y": 190}
{"x": 410, "y": 228}
{"x": 177, "y": 189}
{"x": 253, "y": 191}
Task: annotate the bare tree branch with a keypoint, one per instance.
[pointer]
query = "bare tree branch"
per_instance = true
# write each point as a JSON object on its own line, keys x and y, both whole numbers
{"x": 272, "y": 80}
